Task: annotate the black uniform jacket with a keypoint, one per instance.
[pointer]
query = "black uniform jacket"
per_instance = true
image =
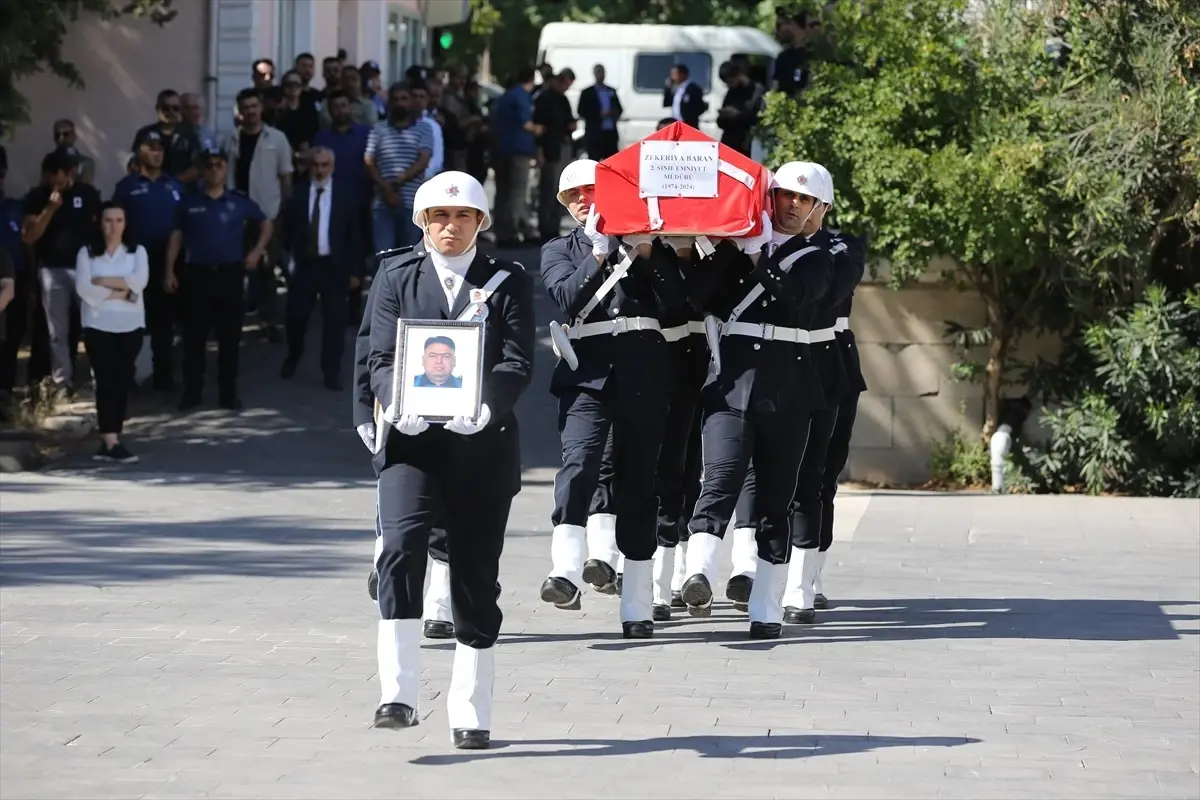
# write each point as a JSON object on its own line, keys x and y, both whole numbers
{"x": 849, "y": 266}
{"x": 756, "y": 374}
{"x": 636, "y": 360}
{"x": 407, "y": 287}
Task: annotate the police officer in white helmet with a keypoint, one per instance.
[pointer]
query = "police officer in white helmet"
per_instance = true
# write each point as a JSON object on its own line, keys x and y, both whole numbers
{"x": 761, "y": 388}
{"x": 613, "y": 376}
{"x": 472, "y": 465}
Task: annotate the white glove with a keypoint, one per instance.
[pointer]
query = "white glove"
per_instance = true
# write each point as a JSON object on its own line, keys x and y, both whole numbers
{"x": 468, "y": 426}
{"x": 754, "y": 244}
{"x": 600, "y": 245}
{"x": 409, "y": 425}
{"x": 366, "y": 432}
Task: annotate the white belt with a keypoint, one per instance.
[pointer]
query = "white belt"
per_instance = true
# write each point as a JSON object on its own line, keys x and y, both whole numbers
{"x": 822, "y": 335}
{"x": 614, "y": 327}
{"x": 677, "y": 332}
{"x": 768, "y": 333}
{"x": 842, "y": 324}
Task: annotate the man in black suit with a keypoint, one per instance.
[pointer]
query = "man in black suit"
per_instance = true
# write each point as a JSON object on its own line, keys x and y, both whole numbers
{"x": 322, "y": 231}
{"x": 684, "y": 97}
{"x": 600, "y": 107}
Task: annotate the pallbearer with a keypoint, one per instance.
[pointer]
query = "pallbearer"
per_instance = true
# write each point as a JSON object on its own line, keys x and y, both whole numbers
{"x": 613, "y": 375}
{"x": 760, "y": 384}
{"x": 467, "y": 470}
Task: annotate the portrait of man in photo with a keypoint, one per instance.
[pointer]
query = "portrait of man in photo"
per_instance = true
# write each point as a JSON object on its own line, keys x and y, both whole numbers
{"x": 438, "y": 363}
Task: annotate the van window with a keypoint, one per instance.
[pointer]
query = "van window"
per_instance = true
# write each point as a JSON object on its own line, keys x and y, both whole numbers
{"x": 652, "y": 70}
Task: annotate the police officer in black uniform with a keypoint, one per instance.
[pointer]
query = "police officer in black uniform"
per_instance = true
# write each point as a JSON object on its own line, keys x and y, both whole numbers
{"x": 614, "y": 374}
{"x": 439, "y": 622}
{"x": 761, "y": 387}
{"x": 465, "y": 472}
{"x": 209, "y": 232}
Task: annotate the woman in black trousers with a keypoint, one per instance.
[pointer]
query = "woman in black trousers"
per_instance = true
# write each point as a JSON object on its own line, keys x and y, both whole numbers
{"x": 110, "y": 276}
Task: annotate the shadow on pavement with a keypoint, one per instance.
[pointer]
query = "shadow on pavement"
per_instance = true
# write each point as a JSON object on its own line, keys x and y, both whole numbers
{"x": 784, "y": 746}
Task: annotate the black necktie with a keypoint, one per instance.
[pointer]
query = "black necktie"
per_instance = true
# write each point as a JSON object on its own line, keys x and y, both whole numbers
{"x": 314, "y": 226}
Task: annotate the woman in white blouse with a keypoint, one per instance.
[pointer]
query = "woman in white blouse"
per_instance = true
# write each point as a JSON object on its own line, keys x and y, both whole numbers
{"x": 110, "y": 275}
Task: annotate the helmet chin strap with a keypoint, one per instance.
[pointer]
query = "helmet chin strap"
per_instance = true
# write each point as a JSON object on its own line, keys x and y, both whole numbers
{"x": 433, "y": 248}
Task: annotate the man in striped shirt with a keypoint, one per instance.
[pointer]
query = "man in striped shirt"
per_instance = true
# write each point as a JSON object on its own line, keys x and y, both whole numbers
{"x": 398, "y": 152}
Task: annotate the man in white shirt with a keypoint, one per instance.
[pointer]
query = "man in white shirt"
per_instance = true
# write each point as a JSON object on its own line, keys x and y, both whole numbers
{"x": 684, "y": 96}
{"x": 323, "y": 232}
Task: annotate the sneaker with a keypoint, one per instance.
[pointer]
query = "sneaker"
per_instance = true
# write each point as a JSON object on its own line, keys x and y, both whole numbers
{"x": 117, "y": 454}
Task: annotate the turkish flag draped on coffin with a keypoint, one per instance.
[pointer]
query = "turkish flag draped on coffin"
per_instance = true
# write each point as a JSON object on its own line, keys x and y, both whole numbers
{"x": 680, "y": 182}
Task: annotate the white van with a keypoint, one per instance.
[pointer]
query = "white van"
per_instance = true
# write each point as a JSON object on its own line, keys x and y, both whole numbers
{"x": 638, "y": 59}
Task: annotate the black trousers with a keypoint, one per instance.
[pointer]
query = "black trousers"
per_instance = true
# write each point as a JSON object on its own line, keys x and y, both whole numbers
{"x": 602, "y": 144}
{"x": 602, "y": 499}
{"x": 817, "y": 480}
{"x": 439, "y": 548}
{"x": 585, "y": 419}
{"x": 318, "y": 281}
{"x": 161, "y": 314}
{"x": 770, "y": 442}
{"x": 443, "y": 479}
{"x": 24, "y": 315}
{"x": 112, "y": 356}
{"x": 679, "y": 460}
{"x": 212, "y": 298}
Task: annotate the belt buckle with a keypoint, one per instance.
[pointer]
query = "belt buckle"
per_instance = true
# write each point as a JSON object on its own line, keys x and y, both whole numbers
{"x": 620, "y": 325}
{"x": 768, "y": 332}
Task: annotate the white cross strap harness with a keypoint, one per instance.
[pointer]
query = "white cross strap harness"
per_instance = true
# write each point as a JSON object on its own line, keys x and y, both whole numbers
{"x": 769, "y": 333}
{"x": 581, "y": 330}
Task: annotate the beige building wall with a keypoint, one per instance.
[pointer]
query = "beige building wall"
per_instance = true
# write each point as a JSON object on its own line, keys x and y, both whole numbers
{"x": 911, "y": 403}
{"x": 125, "y": 64}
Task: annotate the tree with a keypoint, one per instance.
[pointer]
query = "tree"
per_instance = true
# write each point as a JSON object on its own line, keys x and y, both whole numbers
{"x": 928, "y": 121}
{"x": 31, "y": 38}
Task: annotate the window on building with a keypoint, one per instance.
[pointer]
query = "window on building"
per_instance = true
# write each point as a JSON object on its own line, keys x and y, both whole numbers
{"x": 652, "y": 70}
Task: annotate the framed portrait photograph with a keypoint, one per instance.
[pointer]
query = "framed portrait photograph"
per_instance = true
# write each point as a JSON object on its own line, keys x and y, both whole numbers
{"x": 439, "y": 369}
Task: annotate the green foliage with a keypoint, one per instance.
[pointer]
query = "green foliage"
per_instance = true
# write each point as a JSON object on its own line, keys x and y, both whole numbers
{"x": 1129, "y": 419}
{"x": 964, "y": 462}
{"x": 31, "y": 38}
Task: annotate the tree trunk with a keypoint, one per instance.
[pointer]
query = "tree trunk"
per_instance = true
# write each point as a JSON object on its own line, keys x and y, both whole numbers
{"x": 994, "y": 374}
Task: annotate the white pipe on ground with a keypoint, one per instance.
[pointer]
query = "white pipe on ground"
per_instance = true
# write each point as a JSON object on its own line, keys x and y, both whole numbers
{"x": 1001, "y": 443}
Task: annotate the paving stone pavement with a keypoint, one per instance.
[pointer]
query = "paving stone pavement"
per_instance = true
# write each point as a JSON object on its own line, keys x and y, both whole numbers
{"x": 198, "y": 626}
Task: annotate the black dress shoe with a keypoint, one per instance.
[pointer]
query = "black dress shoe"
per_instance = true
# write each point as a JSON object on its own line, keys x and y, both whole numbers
{"x": 677, "y": 600}
{"x": 373, "y": 585}
{"x": 765, "y": 630}
{"x": 600, "y": 576}
{"x": 562, "y": 593}
{"x": 738, "y": 589}
{"x": 820, "y": 602}
{"x": 231, "y": 403}
{"x": 395, "y": 715}
{"x": 190, "y": 400}
{"x": 661, "y": 613}
{"x": 697, "y": 593}
{"x": 333, "y": 384}
{"x": 638, "y": 630}
{"x": 438, "y": 629}
{"x": 288, "y": 370}
{"x": 465, "y": 739}
{"x": 799, "y": 616}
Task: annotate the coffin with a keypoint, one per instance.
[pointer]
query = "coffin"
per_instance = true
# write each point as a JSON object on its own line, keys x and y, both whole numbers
{"x": 680, "y": 182}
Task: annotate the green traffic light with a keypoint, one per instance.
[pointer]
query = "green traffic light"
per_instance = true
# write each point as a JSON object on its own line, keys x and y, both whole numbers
{"x": 446, "y": 40}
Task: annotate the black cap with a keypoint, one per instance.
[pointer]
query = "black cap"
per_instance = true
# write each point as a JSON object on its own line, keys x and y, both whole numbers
{"x": 150, "y": 137}
{"x": 216, "y": 152}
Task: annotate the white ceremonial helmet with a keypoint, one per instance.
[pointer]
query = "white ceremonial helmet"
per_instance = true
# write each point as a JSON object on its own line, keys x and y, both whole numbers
{"x": 804, "y": 177}
{"x": 578, "y": 173}
{"x": 828, "y": 187}
{"x": 451, "y": 190}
